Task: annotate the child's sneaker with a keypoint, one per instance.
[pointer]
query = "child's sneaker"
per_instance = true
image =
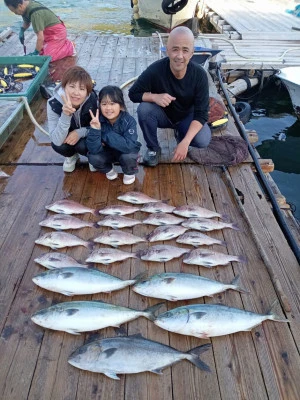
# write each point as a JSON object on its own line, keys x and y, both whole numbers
{"x": 70, "y": 163}
{"x": 111, "y": 175}
{"x": 92, "y": 168}
{"x": 128, "y": 179}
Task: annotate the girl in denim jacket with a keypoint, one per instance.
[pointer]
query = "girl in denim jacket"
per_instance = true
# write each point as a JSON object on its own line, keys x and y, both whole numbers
{"x": 113, "y": 136}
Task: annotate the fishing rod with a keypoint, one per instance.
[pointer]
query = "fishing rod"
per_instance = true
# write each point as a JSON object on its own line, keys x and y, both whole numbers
{"x": 276, "y": 209}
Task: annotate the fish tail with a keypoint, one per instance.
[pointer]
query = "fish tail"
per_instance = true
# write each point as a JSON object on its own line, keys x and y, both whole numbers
{"x": 150, "y": 311}
{"x": 236, "y": 283}
{"x": 95, "y": 225}
{"x": 235, "y": 227}
{"x": 89, "y": 245}
{"x": 273, "y": 315}
{"x": 194, "y": 356}
{"x": 224, "y": 217}
{"x": 242, "y": 259}
{"x": 96, "y": 212}
{"x": 140, "y": 277}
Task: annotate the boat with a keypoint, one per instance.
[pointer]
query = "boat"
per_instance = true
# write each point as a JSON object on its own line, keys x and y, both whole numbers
{"x": 290, "y": 76}
{"x": 167, "y": 14}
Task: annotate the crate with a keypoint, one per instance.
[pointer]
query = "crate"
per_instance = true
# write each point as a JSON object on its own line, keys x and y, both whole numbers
{"x": 41, "y": 61}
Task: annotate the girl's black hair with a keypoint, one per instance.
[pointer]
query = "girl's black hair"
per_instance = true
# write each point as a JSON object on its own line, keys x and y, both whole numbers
{"x": 13, "y": 3}
{"x": 114, "y": 93}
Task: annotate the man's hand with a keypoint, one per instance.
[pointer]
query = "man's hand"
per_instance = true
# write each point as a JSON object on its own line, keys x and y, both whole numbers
{"x": 72, "y": 138}
{"x": 67, "y": 108}
{"x": 163, "y": 99}
{"x": 181, "y": 151}
{"x": 95, "y": 123}
{"x": 21, "y": 35}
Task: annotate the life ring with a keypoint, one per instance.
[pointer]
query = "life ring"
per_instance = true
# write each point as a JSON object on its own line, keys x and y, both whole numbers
{"x": 243, "y": 110}
{"x": 173, "y": 6}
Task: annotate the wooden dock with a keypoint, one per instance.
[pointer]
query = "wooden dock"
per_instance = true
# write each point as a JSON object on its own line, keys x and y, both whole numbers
{"x": 261, "y": 364}
{"x": 253, "y": 34}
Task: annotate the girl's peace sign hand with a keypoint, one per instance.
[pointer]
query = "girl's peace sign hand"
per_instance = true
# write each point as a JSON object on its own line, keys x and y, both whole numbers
{"x": 67, "y": 108}
{"x": 95, "y": 123}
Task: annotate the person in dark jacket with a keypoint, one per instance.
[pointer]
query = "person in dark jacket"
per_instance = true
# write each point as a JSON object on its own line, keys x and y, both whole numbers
{"x": 173, "y": 93}
{"x": 113, "y": 136}
{"x": 68, "y": 114}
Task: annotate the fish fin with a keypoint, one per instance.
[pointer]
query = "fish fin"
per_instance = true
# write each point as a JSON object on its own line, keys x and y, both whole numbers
{"x": 273, "y": 316}
{"x": 72, "y": 311}
{"x": 109, "y": 352}
{"x": 157, "y": 371}
{"x": 235, "y": 227}
{"x": 66, "y": 275}
{"x": 150, "y": 311}
{"x": 194, "y": 353}
{"x": 72, "y": 332}
{"x": 112, "y": 375}
{"x": 235, "y": 282}
{"x": 169, "y": 280}
{"x": 199, "y": 314}
{"x": 140, "y": 277}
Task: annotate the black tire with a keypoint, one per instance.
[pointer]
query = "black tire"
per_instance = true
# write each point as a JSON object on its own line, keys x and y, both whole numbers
{"x": 243, "y": 110}
{"x": 169, "y": 7}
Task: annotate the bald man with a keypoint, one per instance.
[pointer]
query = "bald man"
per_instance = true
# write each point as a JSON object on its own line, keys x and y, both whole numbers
{"x": 173, "y": 93}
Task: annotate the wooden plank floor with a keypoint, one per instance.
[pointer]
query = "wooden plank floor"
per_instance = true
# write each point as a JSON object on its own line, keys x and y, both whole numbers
{"x": 261, "y": 364}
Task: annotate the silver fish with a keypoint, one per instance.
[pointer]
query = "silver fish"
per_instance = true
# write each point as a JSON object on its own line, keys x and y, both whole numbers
{"x": 208, "y": 320}
{"x": 69, "y": 207}
{"x": 208, "y": 258}
{"x": 162, "y": 219}
{"x": 63, "y": 222}
{"x": 161, "y": 253}
{"x": 84, "y": 316}
{"x": 57, "y": 260}
{"x": 196, "y": 238}
{"x": 203, "y": 224}
{"x": 118, "y": 210}
{"x": 58, "y": 240}
{"x": 179, "y": 286}
{"x": 137, "y": 198}
{"x": 116, "y": 221}
{"x": 196, "y": 212}
{"x": 166, "y": 232}
{"x": 158, "y": 207}
{"x": 109, "y": 255}
{"x": 131, "y": 355}
{"x": 118, "y": 238}
{"x": 72, "y": 281}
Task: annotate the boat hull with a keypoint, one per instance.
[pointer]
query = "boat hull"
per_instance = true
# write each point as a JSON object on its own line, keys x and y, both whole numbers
{"x": 152, "y": 12}
{"x": 290, "y": 76}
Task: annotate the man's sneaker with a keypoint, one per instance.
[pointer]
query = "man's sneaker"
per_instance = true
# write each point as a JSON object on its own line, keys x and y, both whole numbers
{"x": 151, "y": 157}
{"x": 70, "y": 163}
{"x": 128, "y": 179}
{"x": 92, "y": 169}
{"x": 111, "y": 175}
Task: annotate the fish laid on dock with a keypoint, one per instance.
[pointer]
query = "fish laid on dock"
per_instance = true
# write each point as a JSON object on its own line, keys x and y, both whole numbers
{"x": 63, "y": 222}
{"x": 174, "y": 286}
{"x": 58, "y": 240}
{"x": 163, "y": 219}
{"x": 208, "y": 258}
{"x": 118, "y": 221}
{"x": 137, "y": 198}
{"x": 131, "y": 355}
{"x": 69, "y": 207}
{"x": 118, "y": 210}
{"x": 161, "y": 253}
{"x": 196, "y": 212}
{"x": 166, "y": 232}
{"x": 85, "y": 316}
{"x": 54, "y": 260}
{"x": 76, "y": 281}
{"x": 117, "y": 238}
{"x": 158, "y": 207}
{"x": 203, "y": 224}
{"x": 196, "y": 238}
{"x": 208, "y": 320}
{"x": 109, "y": 255}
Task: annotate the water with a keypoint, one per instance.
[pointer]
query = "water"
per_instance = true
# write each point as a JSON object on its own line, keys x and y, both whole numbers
{"x": 273, "y": 117}
{"x": 278, "y": 129}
